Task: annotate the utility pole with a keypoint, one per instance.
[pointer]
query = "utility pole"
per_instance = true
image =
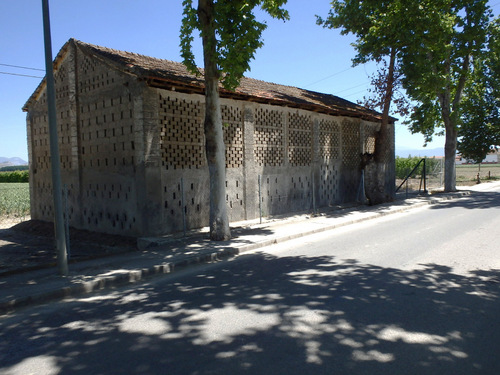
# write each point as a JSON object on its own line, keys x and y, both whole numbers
{"x": 60, "y": 234}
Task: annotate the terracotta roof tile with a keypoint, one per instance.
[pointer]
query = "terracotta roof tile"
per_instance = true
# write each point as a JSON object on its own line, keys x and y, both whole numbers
{"x": 165, "y": 73}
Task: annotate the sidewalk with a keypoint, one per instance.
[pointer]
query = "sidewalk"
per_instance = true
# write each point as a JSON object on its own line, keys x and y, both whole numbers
{"x": 167, "y": 254}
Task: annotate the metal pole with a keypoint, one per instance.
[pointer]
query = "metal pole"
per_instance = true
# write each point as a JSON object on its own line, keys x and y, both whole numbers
{"x": 260, "y": 201}
{"x": 60, "y": 234}
{"x": 313, "y": 193}
{"x": 425, "y": 175}
{"x": 66, "y": 213}
{"x": 183, "y": 208}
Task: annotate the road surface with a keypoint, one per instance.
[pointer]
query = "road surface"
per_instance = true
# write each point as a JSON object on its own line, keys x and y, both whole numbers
{"x": 413, "y": 293}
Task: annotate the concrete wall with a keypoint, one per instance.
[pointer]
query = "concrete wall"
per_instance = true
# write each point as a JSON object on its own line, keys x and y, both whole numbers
{"x": 293, "y": 160}
{"x": 134, "y": 163}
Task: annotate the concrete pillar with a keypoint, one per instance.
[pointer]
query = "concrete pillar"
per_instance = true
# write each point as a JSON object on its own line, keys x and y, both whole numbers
{"x": 315, "y": 164}
{"x": 75, "y": 178}
{"x": 147, "y": 159}
{"x": 250, "y": 175}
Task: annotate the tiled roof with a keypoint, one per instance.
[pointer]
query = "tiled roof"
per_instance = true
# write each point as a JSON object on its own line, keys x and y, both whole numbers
{"x": 170, "y": 74}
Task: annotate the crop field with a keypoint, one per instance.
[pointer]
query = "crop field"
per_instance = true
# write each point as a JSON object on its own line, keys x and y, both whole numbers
{"x": 14, "y": 200}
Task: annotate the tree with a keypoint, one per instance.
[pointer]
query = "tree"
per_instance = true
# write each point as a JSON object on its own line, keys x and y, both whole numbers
{"x": 449, "y": 36}
{"x": 380, "y": 37}
{"x": 480, "y": 130}
{"x": 230, "y": 35}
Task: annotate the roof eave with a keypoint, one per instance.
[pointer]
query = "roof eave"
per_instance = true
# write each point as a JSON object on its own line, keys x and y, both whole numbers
{"x": 179, "y": 86}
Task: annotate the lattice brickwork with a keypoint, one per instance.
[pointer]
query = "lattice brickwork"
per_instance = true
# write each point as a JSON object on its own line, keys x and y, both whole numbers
{"x": 269, "y": 137}
{"x": 370, "y": 131}
{"x": 181, "y": 136}
{"x": 299, "y": 139}
{"x": 351, "y": 144}
{"x": 329, "y": 140}
{"x": 233, "y": 135}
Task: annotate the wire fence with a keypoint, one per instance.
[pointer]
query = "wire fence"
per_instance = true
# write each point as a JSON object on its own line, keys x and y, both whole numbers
{"x": 466, "y": 174}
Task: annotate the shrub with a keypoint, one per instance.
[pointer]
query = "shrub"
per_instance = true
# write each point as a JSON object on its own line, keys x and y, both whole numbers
{"x": 405, "y": 165}
{"x": 16, "y": 176}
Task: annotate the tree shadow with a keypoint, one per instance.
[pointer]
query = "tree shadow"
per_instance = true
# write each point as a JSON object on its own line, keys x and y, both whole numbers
{"x": 476, "y": 200}
{"x": 30, "y": 245}
{"x": 263, "y": 314}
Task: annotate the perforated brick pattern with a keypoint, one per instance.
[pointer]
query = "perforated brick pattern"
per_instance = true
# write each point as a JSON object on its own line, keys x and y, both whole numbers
{"x": 351, "y": 144}
{"x": 329, "y": 140}
{"x": 233, "y": 135}
{"x": 93, "y": 77}
{"x": 370, "y": 131}
{"x": 40, "y": 139}
{"x": 269, "y": 137}
{"x": 329, "y": 180}
{"x": 112, "y": 200}
{"x": 299, "y": 139}
{"x": 40, "y": 145}
{"x": 182, "y": 139}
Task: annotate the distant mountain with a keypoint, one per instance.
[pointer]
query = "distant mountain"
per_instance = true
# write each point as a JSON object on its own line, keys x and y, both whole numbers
{"x": 7, "y": 162}
{"x": 404, "y": 152}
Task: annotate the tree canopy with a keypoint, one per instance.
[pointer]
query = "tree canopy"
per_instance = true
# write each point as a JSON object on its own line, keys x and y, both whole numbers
{"x": 480, "y": 129}
{"x": 436, "y": 44}
{"x": 449, "y": 38}
{"x": 238, "y": 35}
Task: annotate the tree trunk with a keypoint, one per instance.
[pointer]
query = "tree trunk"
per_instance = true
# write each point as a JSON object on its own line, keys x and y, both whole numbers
{"x": 379, "y": 187}
{"x": 450, "y": 145}
{"x": 450, "y": 150}
{"x": 214, "y": 137}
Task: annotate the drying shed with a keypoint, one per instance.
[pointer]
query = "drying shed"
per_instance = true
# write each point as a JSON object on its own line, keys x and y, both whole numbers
{"x": 132, "y": 154}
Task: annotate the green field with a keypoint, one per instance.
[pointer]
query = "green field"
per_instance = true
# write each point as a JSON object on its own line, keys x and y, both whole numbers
{"x": 14, "y": 199}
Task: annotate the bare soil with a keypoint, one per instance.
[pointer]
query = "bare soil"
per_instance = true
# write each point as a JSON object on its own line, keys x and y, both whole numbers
{"x": 31, "y": 245}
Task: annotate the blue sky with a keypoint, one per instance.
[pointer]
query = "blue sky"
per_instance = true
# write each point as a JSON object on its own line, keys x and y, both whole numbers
{"x": 297, "y": 53}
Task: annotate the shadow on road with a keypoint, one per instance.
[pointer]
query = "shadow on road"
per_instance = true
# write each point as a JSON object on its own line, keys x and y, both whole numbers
{"x": 271, "y": 315}
{"x": 475, "y": 200}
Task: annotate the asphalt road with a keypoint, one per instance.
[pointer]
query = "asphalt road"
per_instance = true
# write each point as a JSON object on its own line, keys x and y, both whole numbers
{"x": 413, "y": 293}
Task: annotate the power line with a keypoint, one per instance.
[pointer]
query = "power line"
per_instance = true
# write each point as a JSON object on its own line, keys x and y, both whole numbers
{"x": 22, "y": 67}
{"x": 330, "y": 76}
{"x": 20, "y": 75}
{"x": 353, "y": 87}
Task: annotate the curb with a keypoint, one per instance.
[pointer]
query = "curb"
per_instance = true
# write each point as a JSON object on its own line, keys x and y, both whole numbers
{"x": 134, "y": 276}
{"x": 102, "y": 283}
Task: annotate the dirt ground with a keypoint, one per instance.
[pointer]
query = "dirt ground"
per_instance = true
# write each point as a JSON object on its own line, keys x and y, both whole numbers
{"x": 30, "y": 245}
